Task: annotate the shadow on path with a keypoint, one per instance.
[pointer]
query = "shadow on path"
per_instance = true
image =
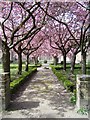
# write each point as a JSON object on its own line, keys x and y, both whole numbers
{"x": 42, "y": 96}
{"x": 22, "y": 105}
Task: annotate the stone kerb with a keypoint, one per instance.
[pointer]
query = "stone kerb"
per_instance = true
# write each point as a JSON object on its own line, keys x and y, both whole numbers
{"x": 5, "y": 90}
{"x": 83, "y": 88}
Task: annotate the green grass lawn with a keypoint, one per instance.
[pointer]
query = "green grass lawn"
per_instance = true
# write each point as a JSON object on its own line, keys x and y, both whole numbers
{"x": 20, "y": 80}
{"x": 14, "y": 70}
{"x": 77, "y": 70}
{"x": 68, "y": 81}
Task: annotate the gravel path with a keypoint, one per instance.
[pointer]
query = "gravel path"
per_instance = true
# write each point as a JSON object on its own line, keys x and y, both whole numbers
{"x": 42, "y": 97}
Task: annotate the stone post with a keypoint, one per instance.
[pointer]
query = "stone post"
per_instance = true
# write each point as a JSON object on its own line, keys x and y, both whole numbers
{"x": 5, "y": 90}
{"x": 83, "y": 87}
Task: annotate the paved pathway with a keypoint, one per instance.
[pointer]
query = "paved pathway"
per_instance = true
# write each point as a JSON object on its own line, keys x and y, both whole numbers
{"x": 41, "y": 97}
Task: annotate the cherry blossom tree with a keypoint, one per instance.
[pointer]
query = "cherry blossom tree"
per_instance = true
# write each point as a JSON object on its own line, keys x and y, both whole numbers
{"x": 45, "y": 50}
{"x": 59, "y": 36}
{"x": 32, "y": 47}
{"x": 76, "y": 13}
{"x": 60, "y": 41}
{"x": 84, "y": 37}
{"x": 16, "y": 17}
{"x": 69, "y": 22}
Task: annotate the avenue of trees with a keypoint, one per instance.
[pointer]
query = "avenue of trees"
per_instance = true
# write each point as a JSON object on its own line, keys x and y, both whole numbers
{"x": 27, "y": 27}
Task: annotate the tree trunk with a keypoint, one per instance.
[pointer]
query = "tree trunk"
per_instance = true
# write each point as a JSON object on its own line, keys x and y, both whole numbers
{"x": 73, "y": 63}
{"x": 6, "y": 59}
{"x": 11, "y": 56}
{"x": 36, "y": 60}
{"x": 64, "y": 62}
{"x": 83, "y": 62}
{"x": 27, "y": 62}
{"x": 5, "y": 77}
{"x": 20, "y": 63}
{"x": 55, "y": 60}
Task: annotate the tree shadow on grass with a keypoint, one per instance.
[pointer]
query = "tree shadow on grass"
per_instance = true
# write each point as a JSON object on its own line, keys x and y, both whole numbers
{"x": 22, "y": 105}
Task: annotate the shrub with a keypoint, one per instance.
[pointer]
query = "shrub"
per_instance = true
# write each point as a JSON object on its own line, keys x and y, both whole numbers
{"x": 61, "y": 75}
{"x": 45, "y": 61}
{"x": 15, "y": 84}
{"x": 69, "y": 85}
{"x": 52, "y": 64}
{"x": 61, "y": 62}
{"x": 38, "y": 65}
{"x": 58, "y": 68}
{"x": 83, "y": 111}
{"x": 73, "y": 99}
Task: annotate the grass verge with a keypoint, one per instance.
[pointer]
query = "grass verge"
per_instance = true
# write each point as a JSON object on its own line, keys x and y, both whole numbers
{"x": 15, "y": 84}
{"x": 62, "y": 76}
{"x": 14, "y": 70}
{"x": 69, "y": 85}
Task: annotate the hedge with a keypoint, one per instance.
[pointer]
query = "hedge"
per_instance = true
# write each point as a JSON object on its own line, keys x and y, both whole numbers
{"x": 38, "y": 65}
{"x": 15, "y": 84}
{"x": 60, "y": 66}
{"x": 61, "y": 75}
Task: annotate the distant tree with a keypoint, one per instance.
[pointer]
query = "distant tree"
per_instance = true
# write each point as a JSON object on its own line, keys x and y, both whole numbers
{"x": 32, "y": 47}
